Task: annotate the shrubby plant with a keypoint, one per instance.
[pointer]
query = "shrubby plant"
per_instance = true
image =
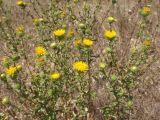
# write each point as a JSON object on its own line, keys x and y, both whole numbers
{"x": 50, "y": 60}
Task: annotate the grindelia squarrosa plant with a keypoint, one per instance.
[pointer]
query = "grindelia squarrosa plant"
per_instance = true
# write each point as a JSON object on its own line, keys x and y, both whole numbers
{"x": 54, "y": 54}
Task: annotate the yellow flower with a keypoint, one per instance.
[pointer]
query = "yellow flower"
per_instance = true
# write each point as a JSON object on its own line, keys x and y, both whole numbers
{"x": 110, "y": 34}
{"x": 11, "y": 71}
{"x": 59, "y": 32}
{"x": 55, "y": 76}
{"x": 111, "y": 19}
{"x": 87, "y": 42}
{"x": 80, "y": 66}
{"x": 147, "y": 42}
{"x": 21, "y": 3}
{"x": 77, "y": 42}
{"x": 20, "y": 29}
{"x": 40, "y": 51}
{"x": 145, "y": 10}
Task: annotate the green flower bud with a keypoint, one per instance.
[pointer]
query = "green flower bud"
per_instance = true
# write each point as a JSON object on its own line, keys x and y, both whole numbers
{"x": 53, "y": 45}
{"x": 102, "y": 65}
{"x": 133, "y": 50}
{"x": 3, "y": 77}
{"x": 130, "y": 103}
{"x": 134, "y": 69}
{"x": 121, "y": 92}
{"x": 109, "y": 50}
{"x": 6, "y": 62}
{"x": 111, "y": 19}
{"x": 81, "y": 25}
{"x": 50, "y": 92}
{"x": 17, "y": 86}
{"x": 5, "y": 100}
{"x": 113, "y": 77}
{"x": 73, "y": 17}
{"x": 87, "y": 31}
{"x": 15, "y": 57}
{"x": 64, "y": 26}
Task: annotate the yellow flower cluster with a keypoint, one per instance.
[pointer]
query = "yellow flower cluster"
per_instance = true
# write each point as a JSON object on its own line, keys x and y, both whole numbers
{"x": 87, "y": 42}
{"x": 145, "y": 10}
{"x": 80, "y": 66}
{"x": 11, "y": 71}
{"x": 110, "y": 34}
{"x": 40, "y": 51}
{"x": 59, "y": 32}
{"x": 55, "y": 76}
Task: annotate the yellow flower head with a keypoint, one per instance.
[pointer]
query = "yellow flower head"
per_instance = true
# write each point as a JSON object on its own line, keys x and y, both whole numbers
{"x": 147, "y": 42}
{"x": 21, "y": 3}
{"x": 11, "y": 71}
{"x": 77, "y": 42}
{"x": 87, "y": 42}
{"x": 55, "y": 76}
{"x": 145, "y": 10}
{"x": 80, "y": 66}
{"x": 59, "y": 32}
{"x": 40, "y": 51}
{"x": 110, "y": 34}
{"x": 20, "y": 29}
